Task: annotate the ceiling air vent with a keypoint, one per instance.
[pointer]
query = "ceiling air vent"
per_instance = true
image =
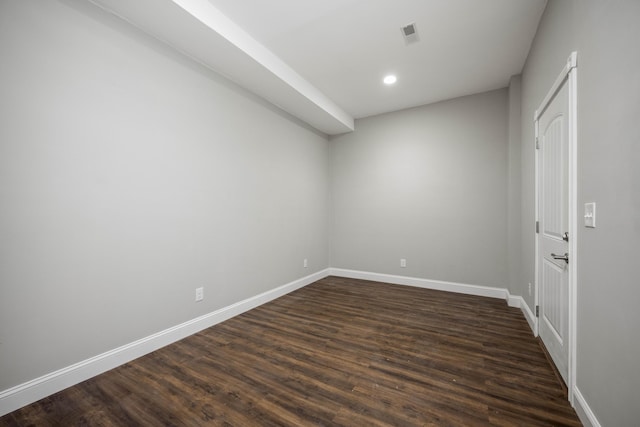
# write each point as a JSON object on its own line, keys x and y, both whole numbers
{"x": 410, "y": 33}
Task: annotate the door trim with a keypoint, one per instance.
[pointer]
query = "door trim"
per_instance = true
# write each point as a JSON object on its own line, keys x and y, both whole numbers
{"x": 569, "y": 74}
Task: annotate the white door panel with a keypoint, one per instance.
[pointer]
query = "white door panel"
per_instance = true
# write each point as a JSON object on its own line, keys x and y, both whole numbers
{"x": 554, "y": 299}
{"x": 553, "y": 187}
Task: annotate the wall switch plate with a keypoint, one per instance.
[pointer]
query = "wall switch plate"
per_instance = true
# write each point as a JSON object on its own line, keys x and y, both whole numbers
{"x": 305, "y": 263}
{"x": 403, "y": 263}
{"x": 590, "y": 215}
{"x": 199, "y": 294}
{"x": 529, "y": 289}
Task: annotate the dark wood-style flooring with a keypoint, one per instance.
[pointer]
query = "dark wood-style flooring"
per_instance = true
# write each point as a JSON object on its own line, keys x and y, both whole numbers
{"x": 337, "y": 352}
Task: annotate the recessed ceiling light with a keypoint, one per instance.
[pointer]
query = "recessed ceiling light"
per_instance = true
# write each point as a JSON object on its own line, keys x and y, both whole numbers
{"x": 390, "y": 79}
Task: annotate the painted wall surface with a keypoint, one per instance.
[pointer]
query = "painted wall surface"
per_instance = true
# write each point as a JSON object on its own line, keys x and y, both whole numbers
{"x": 609, "y": 174}
{"x": 514, "y": 185}
{"x": 605, "y": 34}
{"x": 129, "y": 176}
{"x": 428, "y": 185}
{"x": 552, "y": 45}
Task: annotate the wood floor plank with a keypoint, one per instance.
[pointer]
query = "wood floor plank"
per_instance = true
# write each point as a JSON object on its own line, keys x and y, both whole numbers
{"x": 338, "y": 352}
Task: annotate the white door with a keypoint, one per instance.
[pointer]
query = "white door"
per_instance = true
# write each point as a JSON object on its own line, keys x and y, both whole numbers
{"x": 553, "y": 215}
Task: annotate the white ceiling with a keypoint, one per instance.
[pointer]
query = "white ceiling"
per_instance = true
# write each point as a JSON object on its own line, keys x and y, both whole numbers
{"x": 323, "y": 60}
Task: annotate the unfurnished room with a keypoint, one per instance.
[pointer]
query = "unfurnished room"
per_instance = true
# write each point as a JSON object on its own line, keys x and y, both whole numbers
{"x": 318, "y": 213}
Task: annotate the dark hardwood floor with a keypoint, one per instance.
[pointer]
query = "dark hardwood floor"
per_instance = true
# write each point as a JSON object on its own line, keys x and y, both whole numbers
{"x": 337, "y": 352}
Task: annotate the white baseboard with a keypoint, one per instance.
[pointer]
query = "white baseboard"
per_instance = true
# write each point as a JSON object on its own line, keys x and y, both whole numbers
{"x": 519, "y": 302}
{"x": 34, "y": 390}
{"x": 461, "y": 288}
{"x": 586, "y": 415}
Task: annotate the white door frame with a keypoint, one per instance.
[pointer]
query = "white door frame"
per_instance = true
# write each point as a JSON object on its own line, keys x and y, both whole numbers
{"x": 569, "y": 74}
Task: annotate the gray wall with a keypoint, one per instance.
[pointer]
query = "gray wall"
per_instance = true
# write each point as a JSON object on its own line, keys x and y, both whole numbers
{"x": 428, "y": 184}
{"x": 548, "y": 54}
{"x": 609, "y": 174}
{"x": 606, "y": 35}
{"x": 514, "y": 186}
{"x": 130, "y": 176}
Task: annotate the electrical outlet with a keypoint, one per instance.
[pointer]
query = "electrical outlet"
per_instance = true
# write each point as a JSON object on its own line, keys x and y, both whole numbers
{"x": 403, "y": 263}
{"x": 305, "y": 263}
{"x": 529, "y": 289}
{"x": 199, "y": 294}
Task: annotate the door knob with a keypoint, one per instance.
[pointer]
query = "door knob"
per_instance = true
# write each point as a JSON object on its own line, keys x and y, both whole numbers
{"x": 565, "y": 236}
{"x": 564, "y": 257}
